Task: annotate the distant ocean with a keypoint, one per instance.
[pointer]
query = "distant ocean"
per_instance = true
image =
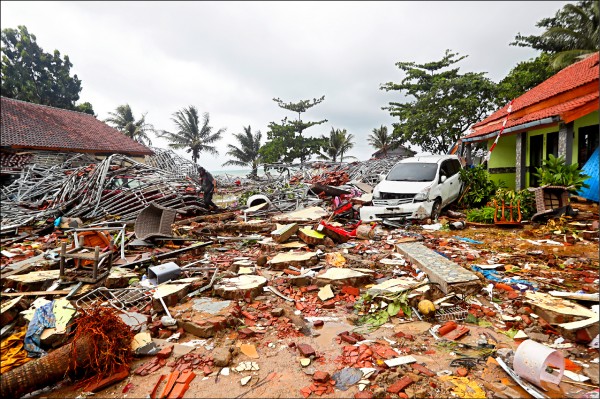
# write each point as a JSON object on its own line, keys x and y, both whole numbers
{"x": 235, "y": 172}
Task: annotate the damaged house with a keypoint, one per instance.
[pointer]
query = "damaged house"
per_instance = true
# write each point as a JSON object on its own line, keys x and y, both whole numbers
{"x": 33, "y": 133}
{"x": 559, "y": 116}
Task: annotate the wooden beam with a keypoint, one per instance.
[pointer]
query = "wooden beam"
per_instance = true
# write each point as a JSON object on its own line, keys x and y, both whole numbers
{"x": 571, "y": 115}
{"x": 34, "y": 293}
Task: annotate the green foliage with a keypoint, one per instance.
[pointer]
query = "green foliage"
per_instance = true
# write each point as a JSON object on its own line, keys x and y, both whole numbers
{"x": 122, "y": 120}
{"x": 571, "y": 33}
{"x": 285, "y": 141}
{"x": 338, "y": 143}
{"x": 555, "y": 172}
{"x": 446, "y": 103}
{"x": 380, "y": 139}
{"x": 30, "y": 74}
{"x": 374, "y": 316}
{"x": 86, "y": 108}
{"x": 190, "y": 135}
{"x": 525, "y": 198}
{"x": 478, "y": 188}
{"x": 247, "y": 154}
{"x": 481, "y": 215}
{"x": 523, "y": 77}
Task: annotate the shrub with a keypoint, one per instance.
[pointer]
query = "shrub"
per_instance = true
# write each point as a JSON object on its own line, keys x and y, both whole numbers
{"x": 482, "y": 215}
{"x": 555, "y": 172}
{"x": 525, "y": 198}
{"x": 478, "y": 188}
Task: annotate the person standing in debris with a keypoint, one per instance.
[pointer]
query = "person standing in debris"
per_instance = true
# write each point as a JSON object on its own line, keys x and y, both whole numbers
{"x": 208, "y": 184}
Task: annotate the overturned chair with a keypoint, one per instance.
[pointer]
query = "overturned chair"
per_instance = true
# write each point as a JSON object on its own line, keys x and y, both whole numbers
{"x": 551, "y": 201}
{"x": 154, "y": 222}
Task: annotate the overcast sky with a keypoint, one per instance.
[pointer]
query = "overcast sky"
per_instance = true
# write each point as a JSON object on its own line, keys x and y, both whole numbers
{"x": 231, "y": 59}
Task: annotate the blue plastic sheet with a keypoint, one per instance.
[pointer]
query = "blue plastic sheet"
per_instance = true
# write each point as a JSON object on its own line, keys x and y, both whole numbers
{"x": 493, "y": 275}
{"x": 469, "y": 240}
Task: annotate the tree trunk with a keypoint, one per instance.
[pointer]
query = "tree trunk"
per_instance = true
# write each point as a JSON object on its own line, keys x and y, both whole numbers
{"x": 45, "y": 371}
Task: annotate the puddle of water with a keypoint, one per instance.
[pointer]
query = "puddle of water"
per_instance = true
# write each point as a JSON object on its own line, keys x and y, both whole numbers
{"x": 328, "y": 332}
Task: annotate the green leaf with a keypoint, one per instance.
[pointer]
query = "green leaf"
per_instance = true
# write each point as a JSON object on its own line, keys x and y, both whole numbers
{"x": 510, "y": 333}
{"x": 393, "y": 308}
{"x": 471, "y": 319}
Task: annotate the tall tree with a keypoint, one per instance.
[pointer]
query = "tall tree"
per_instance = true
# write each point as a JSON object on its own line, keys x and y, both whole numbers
{"x": 445, "y": 103}
{"x": 190, "y": 135}
{"x": 380, "y": 139}
{"x": 336, "y": 145}
{"x": 524, "y": 76}
{"x": 285, "y": 141}
{"x": 247, "y": 153}
{"x": 30, "y": 74}
{"x": 570, "y": 34}
{"x": 122, "y": 120}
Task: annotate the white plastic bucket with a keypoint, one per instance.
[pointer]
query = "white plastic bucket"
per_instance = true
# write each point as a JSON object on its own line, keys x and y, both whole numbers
{"x": 531, "y": 360}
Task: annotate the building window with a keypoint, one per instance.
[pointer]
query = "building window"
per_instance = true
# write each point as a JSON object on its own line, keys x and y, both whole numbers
{"x": 587, "y": 143}
{"x": 552, "y": 144}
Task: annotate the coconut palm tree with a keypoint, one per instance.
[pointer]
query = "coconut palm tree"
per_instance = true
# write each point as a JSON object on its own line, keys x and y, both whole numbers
{"x": 380, "y": 139}
{"x": 247, "y": 153}
{"x": 190, "y": 135}
{"x": 571, "y": 34}
{"x": 122, "y": 120}
{"x": 580, "y": 38}
{"x": 337, "y": 144}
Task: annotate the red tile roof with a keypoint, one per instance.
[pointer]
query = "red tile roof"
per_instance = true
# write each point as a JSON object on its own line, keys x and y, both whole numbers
{"x": 582, "y": 73}
{"x": 34, "y": 126}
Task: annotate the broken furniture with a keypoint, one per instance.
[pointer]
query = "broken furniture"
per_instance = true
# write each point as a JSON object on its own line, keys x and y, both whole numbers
{"x": 83, "y": 273}
{"x": 119, "y": 238}
{"x": 551, "y": 201}
{"x": 503, "y": 222}
{"x": 154, "y": 221}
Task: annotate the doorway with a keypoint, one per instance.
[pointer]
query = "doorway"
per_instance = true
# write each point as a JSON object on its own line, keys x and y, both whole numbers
{"x": 536, "y": 154}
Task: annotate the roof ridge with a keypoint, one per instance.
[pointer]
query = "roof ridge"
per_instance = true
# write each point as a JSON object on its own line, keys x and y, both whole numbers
{"x": 47, "y": 106}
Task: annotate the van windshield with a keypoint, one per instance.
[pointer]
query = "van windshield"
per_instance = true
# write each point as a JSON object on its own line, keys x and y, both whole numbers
{"x": 413, "y": 172}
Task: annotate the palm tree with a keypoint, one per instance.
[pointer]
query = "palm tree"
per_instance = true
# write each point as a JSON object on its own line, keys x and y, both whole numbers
{"x": 190, "y": 135}
{"x": 337, "y": 144}
{"x": 380, "y": 139}
{"x": 122, "y": 120}
{"x": 247, "y": 153}
{"x": 580, "y": 38}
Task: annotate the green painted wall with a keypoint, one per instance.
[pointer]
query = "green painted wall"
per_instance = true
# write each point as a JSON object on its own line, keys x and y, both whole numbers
{"x": 503, "y": 156}
{"x": 588, "y": 120}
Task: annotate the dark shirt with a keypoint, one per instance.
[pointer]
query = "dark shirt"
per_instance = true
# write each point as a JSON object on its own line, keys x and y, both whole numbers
{"x": 206, "y": 180}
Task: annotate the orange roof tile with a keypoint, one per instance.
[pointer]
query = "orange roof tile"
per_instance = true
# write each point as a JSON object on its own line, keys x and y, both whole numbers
{"x": 572, "y": 77}
{"x": 28, "y": 125}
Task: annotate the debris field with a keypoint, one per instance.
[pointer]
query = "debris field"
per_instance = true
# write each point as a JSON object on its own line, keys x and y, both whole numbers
{"x": 117, "y": 282}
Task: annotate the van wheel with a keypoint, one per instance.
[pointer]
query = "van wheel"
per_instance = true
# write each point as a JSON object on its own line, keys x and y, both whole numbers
{"x": 436, "y": 209}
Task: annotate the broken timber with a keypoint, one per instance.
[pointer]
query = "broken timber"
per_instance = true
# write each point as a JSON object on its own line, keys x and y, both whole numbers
{"x": 449, "y": 275}
{"x": 284, "y": 232}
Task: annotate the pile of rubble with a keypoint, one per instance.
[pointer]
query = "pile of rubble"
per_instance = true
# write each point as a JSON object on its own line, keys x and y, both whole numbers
{"x": 283, "y": 295}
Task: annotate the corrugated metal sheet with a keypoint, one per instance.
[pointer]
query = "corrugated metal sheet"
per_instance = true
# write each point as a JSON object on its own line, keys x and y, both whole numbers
{"x": 591, "y": 169}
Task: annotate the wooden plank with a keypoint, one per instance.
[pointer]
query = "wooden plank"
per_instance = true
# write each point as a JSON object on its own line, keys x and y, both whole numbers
{"x": 34, "y": 293}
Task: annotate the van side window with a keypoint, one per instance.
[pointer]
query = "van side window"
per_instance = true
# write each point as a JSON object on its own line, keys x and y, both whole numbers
{"x": 455, "y": 166}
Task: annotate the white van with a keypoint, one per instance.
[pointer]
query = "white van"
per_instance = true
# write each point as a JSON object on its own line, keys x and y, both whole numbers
{"x": 416, "y": 188}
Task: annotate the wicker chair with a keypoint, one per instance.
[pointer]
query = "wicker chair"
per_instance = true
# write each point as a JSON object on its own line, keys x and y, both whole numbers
{"x": 550, "y": 199}
{"x": 154, "y": 221}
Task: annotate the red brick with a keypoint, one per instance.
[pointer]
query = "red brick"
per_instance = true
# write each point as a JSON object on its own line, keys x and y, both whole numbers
{"x": 400, "y": 384}
{"x": 364, "y": 395}
{"x": 422, "y": 369}
{"x": 351, "y": 290}
{"x": 321, "y": 376}
{"x": 306, "y": 350}
{"x": 348, "y": 339}
{"x": 165, "y": 352}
